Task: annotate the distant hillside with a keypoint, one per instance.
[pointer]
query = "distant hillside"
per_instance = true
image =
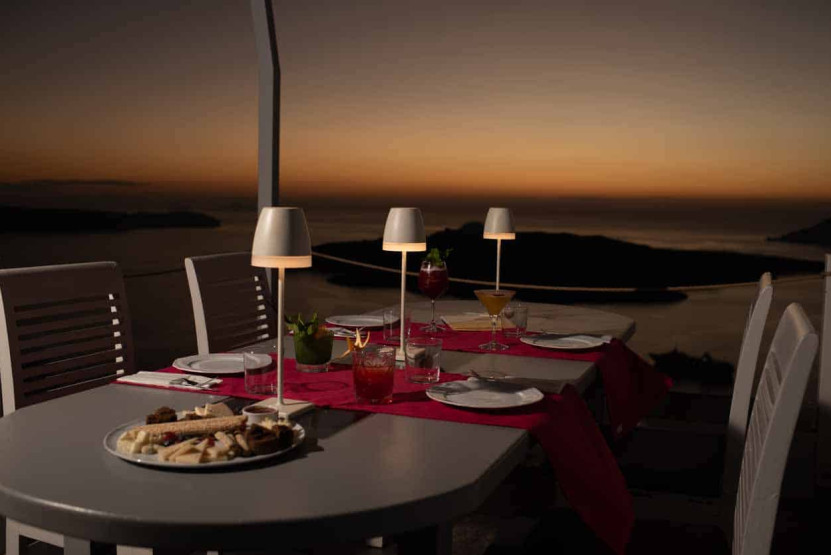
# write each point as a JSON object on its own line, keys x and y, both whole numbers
{"x": 53, "y": 220}
{"x": 819, "y": 234}
{"x": 561, "y": 259}
{"x": 69, "y": 183}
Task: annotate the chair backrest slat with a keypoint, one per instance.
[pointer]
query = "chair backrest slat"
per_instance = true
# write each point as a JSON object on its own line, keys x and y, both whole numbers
{"x": 231, "y": 302}
{"x": 74, "y": 364}
{"x": 772, "y": 422}
{"x": 49, "y": 339}
{"x": 249, "y": 314}
{"x": 64, "y": 329}
{"x": 743, "y": 384}
{"x": 67, "y": 309}
{"x": 40, "y": 384}
{"x": 43, "y": 355}
{"x": 69, "y": 390}
{"x": 65, "y": 326}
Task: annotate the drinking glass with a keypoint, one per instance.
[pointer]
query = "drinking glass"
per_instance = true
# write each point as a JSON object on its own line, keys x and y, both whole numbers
{"x": 259, "y": 380}
{"x": 313, "y": 352}
{"x": 373, "y": 370}
{"x": 423, "y": 354}
{"x": 392, "y": 324}
{"x": 433, "y": 282}
{"x": 515, "y": 314}
{"x": 494, "y": 301}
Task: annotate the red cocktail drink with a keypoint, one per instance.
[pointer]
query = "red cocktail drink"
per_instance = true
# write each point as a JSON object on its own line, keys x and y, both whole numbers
{"x": 373, "y": 370}
{"x": 432, "y": 280}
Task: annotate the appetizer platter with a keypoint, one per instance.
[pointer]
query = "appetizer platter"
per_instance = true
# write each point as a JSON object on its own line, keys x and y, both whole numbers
{"x": 209, "y": 436}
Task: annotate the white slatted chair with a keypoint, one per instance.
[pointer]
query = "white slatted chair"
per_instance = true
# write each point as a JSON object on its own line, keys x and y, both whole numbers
{"x": 770, "y": 432}
{"x": 743, "y": 383}
{"x": 63, "y": 329}
{"x": 739, "y": 410}
{"x": 231, "y": 308}
{"x": 772, "y": 423}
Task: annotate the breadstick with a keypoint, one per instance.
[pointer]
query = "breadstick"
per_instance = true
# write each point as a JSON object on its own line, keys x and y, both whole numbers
{"x": 193, "y": 427}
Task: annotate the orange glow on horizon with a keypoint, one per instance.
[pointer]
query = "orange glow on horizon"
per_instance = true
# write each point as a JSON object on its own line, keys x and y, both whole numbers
{"x": 544, "y": 101}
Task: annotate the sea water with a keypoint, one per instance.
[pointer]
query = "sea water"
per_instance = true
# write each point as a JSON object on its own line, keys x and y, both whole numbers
{"x": 152, "y": 259}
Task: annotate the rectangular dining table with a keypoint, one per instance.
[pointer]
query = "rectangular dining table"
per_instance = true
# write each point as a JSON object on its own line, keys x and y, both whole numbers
{"x": 545, "y": 373}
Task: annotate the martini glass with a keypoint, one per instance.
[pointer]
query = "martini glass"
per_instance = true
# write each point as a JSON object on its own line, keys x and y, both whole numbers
{"x": 494, "y": 301}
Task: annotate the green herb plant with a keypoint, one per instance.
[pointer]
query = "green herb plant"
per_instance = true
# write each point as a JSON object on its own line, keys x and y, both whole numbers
{"x": 312, "y": 328}
{"x": 437, "y": 257}
{"x": 312, "y": 340}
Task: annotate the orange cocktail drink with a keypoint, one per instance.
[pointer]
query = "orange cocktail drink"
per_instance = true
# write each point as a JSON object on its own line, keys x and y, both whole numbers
{"x": 494, "y": 301}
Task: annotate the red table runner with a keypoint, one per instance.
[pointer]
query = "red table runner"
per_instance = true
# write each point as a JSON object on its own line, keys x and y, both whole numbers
{"x": 633, "y": 387}
{"x": 585, "y": 467}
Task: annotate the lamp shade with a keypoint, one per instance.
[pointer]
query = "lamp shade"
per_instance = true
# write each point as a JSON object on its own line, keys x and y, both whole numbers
{"x": 499, "y": 224}
{"x": 404, "y": 231}
{"x": 281, "y": 239}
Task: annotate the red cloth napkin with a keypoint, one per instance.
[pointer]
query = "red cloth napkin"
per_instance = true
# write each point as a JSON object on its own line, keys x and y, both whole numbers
{"x": 586, "y": 469}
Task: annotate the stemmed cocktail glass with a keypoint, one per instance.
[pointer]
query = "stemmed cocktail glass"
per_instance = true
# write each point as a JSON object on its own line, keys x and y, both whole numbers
{"x": 433, "y": 282}
{"x": 494, "y": 301}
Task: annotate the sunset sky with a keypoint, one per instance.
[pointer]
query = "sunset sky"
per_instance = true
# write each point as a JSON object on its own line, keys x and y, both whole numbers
{"x": 532, "y": 97}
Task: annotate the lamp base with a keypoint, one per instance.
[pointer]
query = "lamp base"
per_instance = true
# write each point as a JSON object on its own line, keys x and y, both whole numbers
{"x": 289, "y": 408}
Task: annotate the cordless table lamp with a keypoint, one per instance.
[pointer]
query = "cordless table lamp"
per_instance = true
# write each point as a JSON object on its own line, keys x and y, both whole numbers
{"x": 499, "y": 225}
{"x": 404, "y": 232}
{"x": 281, "y": 241}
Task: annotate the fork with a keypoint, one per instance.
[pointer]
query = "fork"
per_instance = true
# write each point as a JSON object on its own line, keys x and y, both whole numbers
{"x": 184, "y": 380}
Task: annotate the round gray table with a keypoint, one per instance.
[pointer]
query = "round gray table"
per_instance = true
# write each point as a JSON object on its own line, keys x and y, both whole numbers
{"x": 356, "y": 476}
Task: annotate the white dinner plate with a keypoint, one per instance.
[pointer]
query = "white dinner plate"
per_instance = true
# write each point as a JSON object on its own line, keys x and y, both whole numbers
{"x": 479, "y": 394}
{"x": 111, "y": 442}
{"x": 356, "y": 321}
{"x": 568, "y": 343}
{"x": 218, "y": 363}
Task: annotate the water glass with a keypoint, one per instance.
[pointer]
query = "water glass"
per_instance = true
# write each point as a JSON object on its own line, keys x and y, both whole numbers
{"x": 259, "y": 379}
{"x": 423, "y": 354}
{"x": 373, "y": 370}
{"x": 515, "y": 320}
{"x": 392, "y": 324}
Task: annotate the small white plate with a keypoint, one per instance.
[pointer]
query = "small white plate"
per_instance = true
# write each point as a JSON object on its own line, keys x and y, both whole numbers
{"x": 219, "y": 363}
{"x": 568, "y": 343}
{"x": 111, "y": 443}
{"x": 479, "y": 394}
{"x": 356, "y": 321}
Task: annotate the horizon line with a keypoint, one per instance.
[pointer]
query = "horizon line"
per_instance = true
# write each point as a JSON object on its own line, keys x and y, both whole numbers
{"x": 348, "y": 193}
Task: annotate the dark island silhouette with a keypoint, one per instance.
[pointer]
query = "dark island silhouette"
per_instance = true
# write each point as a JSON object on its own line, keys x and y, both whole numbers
{"x": 559, "y": 259}
{"x": 64, "y": 220}
{"x": 819, "y": 234}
